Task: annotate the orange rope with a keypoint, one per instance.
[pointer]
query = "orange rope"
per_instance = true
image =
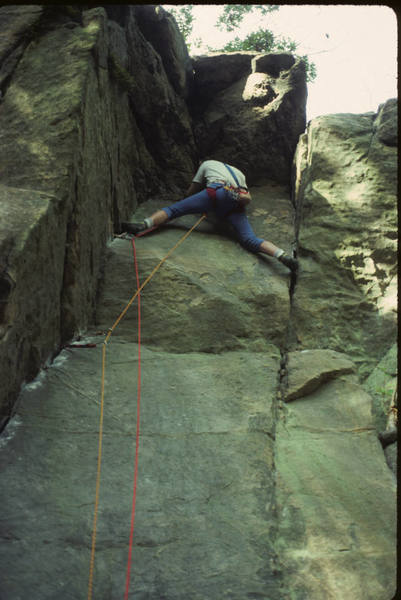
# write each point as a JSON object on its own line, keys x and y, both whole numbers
{"x": 184, "y": 237}
{"x": 99, "y": 464}
{"x": 99, "y": 458}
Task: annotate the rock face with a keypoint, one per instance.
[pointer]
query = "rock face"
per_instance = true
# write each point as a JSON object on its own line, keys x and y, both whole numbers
{"x": 327, "y": 451}
{"x": 234, "y": 295}
{"x": 159, "y": 27}
{"x": 309, "y": 369}
{"x": 345, "y": 194}
{"x": 252, "y": 108}
{"x": 97, "y": 115}
{"x": 264, "y": 468}
{"x": 81, "y": 145}
{"x": 238, "y": 493}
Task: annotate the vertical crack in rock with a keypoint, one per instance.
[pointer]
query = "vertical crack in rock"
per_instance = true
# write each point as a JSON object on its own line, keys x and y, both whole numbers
{"x": 278, "y": 410}
{"x": 290, "y": 336}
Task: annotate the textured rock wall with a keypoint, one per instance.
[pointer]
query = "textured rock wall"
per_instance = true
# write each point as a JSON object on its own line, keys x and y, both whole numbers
{"x": 90, "y": 125}
{"x": 261, "y": 469}
{"x": 252, "y": 108}
{"x": 95, "y": 118}
{"x": 345, "y": 194}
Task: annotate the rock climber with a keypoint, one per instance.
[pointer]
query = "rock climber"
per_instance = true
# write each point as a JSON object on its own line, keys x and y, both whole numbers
{"x": 220, "y": 188}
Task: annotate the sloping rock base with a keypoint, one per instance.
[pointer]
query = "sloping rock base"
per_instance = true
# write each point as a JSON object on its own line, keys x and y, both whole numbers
{"x": 202, "y": 528}
{"x": 243, "y": 492}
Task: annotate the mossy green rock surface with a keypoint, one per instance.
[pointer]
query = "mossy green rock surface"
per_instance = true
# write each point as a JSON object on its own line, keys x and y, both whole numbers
{"x": 238, "y": 494}
{"x": 260, "y": 474}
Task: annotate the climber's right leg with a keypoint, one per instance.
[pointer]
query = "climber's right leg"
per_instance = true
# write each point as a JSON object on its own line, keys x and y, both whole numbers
{"x": 248, "y": 238}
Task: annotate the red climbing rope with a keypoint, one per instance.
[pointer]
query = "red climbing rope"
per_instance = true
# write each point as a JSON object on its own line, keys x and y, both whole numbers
{"x": 102, "y": 397}
{"x": 138, "y": 406}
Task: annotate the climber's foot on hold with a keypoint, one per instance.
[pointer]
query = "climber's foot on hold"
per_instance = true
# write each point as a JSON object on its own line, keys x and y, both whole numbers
{"x": 133, "y": 227}
{"x": 289, "y": 262}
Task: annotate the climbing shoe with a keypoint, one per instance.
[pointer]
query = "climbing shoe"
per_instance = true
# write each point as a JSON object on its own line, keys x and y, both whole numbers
{"x": 133, "y": 227}
{"x": 289, "y": 262}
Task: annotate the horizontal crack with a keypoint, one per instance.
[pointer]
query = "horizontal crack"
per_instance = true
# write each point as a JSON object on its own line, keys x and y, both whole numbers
{"x": 151, "y": 434}
{"x": 331, "y": 430}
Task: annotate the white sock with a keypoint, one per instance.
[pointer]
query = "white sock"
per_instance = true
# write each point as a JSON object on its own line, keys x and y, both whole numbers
{"x": 148, "y": 222}
{"x": 278, "y": 253}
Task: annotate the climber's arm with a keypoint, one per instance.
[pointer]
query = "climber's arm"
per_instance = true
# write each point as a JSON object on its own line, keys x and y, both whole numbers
{"x": 194, "y": 188}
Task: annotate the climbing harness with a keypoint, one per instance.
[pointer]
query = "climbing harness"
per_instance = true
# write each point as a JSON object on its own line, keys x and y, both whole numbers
{"x": 239, "y": 194}
{"x": 100, "y": 438}
{"x": 236, "y": 192}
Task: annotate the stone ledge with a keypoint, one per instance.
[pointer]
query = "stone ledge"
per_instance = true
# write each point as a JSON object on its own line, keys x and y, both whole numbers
{"x": 309, "y": 369}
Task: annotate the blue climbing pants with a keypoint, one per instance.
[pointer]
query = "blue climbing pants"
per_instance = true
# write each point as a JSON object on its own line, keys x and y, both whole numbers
{"x": 222, "y": 205}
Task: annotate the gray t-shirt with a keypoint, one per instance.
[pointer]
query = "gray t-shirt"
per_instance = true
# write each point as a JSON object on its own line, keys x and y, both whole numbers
{"x": 214, "y": 171}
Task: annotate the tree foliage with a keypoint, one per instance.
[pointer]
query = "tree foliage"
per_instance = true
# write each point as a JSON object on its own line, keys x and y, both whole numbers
{"x": 264, "y": 40}
{"x": 310, "y": 67}
{"x": 185, "y": 19}
{"x": 233, "y": 14}
{"x": 261, "y": 40}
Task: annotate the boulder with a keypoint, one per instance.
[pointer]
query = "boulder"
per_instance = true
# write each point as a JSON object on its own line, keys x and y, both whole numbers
{"x": 160, "y": 113}
{"x": 273, "y": 64}
{"x": 214, "y": 72}
{"x": 31, "y": 273}
{"x": 203, "y": 520}
{"x": 385, "y": 124}
{"x": 252, "y": 111}
{"x": 309, "y": 369}
{"x": 345, "y": 194}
